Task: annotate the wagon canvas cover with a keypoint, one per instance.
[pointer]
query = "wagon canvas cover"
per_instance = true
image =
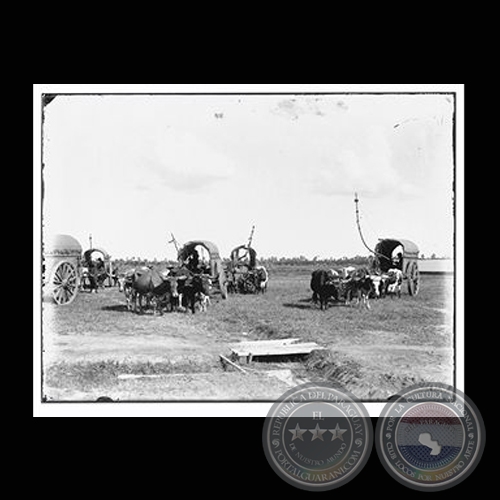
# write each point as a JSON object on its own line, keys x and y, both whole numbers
{"x": 188, "y": 248}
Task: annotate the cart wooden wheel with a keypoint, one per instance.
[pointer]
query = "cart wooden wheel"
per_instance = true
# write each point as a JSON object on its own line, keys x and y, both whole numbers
{"x": 64, "y": 283}
{"x": 414, "y": 280}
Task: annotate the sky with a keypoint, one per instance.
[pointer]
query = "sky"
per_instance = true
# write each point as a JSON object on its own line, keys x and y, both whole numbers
{"x": 130, "y": 170}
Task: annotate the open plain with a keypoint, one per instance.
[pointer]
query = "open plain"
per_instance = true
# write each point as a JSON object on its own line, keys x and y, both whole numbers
{"x": 95, "y": 347}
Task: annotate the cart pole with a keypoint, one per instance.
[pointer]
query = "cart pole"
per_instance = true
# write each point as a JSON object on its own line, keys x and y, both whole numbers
{"x": 249, "y": 244}
{"x": 358, "y": 223}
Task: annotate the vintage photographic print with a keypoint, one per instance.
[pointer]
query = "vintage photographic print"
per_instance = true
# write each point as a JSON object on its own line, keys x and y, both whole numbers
{"x": 220, "y": 247}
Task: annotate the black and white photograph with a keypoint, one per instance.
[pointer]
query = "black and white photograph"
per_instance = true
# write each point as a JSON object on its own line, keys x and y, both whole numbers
{"x": 224, "y": 246}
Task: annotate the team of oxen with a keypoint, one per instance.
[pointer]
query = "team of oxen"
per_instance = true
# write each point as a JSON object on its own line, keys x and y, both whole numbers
{"x": 181, "y": 289}
{"x": 170, "y": 290}
{"x": 354, "y": 285}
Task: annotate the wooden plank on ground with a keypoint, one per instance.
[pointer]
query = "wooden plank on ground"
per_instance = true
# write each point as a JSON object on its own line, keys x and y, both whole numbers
{"x": 275, "y": 350}
{"x": 258, "y": 346}
{"x": 266, "y": 342}
{"x": 285, "y": 350}
{"x": 229, "y": 362}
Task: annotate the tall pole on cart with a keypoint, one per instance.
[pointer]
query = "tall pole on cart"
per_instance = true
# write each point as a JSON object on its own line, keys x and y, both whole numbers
{"x": 174, "y": 241}
{"x": 356, "y": 201}
{"x": 249, "y": 244}
{"x": 90, "y": 241}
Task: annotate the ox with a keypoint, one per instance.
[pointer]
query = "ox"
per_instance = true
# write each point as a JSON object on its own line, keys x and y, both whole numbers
{"x": 378, "y": 284}
{"x": 360, "y": 286}
{"x": 193, "y": 289}
{"x": 88, "y": 280}
{"x": 347, "y": 272}
{"x": 149, "y": 283}
{"x": 323, "y": 286}
{"x": 125, "y": 281}
{"x": 262, "y": 278}
{"x": 204, "y": 301}
{"x": 393, "y": 282}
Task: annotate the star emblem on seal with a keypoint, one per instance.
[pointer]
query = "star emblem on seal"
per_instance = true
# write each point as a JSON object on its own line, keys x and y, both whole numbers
{"x": 337, "y": 433}
{"x": 317, "y": 433}
{"x": 297, "y": 433}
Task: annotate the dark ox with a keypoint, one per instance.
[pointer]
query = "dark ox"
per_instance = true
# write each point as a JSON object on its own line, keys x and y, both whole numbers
{"x": 159, "y": 289}
{"x": 194, "y": 289}
{"x": 360, "y": 286}
{"x": 323, "y": 286}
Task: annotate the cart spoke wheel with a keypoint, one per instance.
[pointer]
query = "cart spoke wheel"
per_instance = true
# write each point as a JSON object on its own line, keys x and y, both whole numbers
{"x": 64, "y": 283}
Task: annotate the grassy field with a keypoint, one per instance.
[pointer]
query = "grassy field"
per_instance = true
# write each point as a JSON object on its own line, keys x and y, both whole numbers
{"x": 95, "y": 347}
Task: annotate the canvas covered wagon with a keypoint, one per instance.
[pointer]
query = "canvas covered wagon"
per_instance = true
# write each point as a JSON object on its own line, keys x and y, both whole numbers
{"x": 243, "y": 274}
{"x": 201, "y": 256}
{"x": 61, "y": 267}
{"x": 399, "y": 254}
{"x": 97, "y": 264}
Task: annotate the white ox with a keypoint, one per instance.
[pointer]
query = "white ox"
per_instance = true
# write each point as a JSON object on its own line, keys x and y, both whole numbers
{"x": 204, "y": 301}
{"x": 263, "y": 278}
{"x": 347, "y": 271}
{"x": 377, "y": 281}
{"x": 394, "y": 282}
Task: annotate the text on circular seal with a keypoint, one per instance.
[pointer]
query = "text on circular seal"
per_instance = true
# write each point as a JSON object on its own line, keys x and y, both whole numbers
{"x": 430, "y": 437}
{"x": 317, "y": 437}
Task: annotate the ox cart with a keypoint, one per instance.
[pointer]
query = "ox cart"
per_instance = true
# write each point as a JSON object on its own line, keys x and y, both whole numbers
{"x": 399, "y": 254}
{"x": 394, "y": 254}
{"x": 241, "y": 271}
{"x": 203, "y": 257}
{"x": 61, "y": 267}
{"x": 97, "y": 269}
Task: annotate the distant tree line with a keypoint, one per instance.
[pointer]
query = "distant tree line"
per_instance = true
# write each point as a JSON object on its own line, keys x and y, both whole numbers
{"x": 358, "y": 260}
{"x": 433, "y": 257}
{"x": 130, "y": 262}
